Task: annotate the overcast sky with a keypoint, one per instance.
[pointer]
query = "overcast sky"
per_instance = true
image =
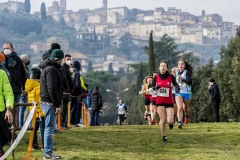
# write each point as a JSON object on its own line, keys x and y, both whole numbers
{"x": 228, "y": 9}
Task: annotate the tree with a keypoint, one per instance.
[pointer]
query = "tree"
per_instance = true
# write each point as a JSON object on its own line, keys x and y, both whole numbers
{"x": 43, "y": 12}
{"x": 110, "y": 68}
{"x": 27, "y": 6}
{"x": 89, "y": 67}
{"x": 151, "y": 56}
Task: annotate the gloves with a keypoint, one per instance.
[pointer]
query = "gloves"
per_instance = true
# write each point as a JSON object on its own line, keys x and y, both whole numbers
{"x": 156, "y": 87}
{"x": 177, "y": 89}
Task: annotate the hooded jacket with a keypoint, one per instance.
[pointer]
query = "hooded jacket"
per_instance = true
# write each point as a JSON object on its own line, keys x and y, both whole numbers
{"x": 6, "y": 93}
{"x": 51, "y": 85}
{"x": 18, "y": 74}
{"x": 33, "y": 89}
{"x": 96, "y": 100}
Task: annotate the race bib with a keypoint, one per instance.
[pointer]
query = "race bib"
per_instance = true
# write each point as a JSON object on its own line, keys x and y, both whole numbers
{"x": 163, "y": 92}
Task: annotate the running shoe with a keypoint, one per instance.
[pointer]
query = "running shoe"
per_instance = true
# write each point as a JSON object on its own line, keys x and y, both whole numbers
{"x": 180, "y": 125}
{"x": 171, "y": 126}
{"x": 164, "y": 139}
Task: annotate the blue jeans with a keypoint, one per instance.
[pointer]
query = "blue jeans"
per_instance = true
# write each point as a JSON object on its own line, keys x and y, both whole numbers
{"x": 22, "y": 109}
{"x": 17, "y": 98}
{"x": 49, "y": 117}
{"x": 94, "y": 118}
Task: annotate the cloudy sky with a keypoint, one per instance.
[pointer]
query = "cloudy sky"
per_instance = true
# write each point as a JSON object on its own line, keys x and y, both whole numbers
{"x": 228, "y": 9}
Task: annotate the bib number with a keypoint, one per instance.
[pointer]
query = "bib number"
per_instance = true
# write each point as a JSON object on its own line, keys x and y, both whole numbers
{"x": 163, "y": 92}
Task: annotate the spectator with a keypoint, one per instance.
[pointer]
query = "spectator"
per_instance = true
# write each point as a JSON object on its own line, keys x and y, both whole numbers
{"x": 51, "y": 90}
{"x": 22, "y": 109}
{"x": 33, "y": 90}
{"x": 96, "y": 106}
{"x": 76, "y": 95}
{"x": 6, "y": 105}
{"x": 17, "y": 72}
{"x": 67, "y": 86}
{"x": 47, "y": 54}
{"x": 215, "y": 98}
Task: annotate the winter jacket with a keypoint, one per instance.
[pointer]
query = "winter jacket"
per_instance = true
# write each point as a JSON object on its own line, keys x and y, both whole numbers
{"x": 33, "y": 89}
{"x": 215, "y": 94}
{"x": 6, "y": 93}
{"x": 16, "y": 69}
{"x": 67, "y": 81}
{"x": 51, "y": 85}
{"x": 77, "y": 89}
{"x": 96, "y": 100}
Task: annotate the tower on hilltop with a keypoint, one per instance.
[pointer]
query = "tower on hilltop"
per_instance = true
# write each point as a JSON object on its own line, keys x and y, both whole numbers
{"x": 63, "y": 5}
{"x": 105, "y": 4}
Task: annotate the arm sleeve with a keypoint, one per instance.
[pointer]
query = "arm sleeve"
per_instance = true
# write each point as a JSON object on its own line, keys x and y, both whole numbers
{"x": 52, "y": 87}
{"x": 174, "y": 82}
{"x": 125, "y": 107}
{"x": 7, "y": 91}
{"x": 23, "y": 74}
{"x": 215, "y": 92}
{"x": 100, "y": 101}
{"x": 188, "y": 79}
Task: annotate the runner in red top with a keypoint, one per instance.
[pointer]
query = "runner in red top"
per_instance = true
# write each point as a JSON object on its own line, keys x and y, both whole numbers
{"x": 163, "y": 84}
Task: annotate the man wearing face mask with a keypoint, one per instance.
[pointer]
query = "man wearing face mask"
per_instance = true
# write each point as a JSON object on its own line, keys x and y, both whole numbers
{"x": 17, "y": 72}
{"x": 22, "y": 109}
{"x": 51, "y": 90}
{"x": 67, "y": 87}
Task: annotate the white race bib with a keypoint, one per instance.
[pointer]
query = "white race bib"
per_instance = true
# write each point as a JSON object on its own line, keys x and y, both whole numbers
{"x": 163, "y": 92}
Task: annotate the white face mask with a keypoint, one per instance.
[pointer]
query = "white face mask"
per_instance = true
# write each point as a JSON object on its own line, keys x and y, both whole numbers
{"x": 68, "y": 62}
{"x": 7, "y": 51}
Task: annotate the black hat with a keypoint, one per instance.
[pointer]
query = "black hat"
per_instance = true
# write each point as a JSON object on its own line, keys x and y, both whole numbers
{"x": 36, "y": 73}
{"x": 77, "y": 65}
{"x": 212, "y": 80}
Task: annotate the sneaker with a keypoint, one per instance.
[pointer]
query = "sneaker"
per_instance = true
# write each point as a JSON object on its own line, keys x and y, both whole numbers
{"x": 35, "y": 146}
{"x": 180, "y": 125}
{"x": 164, "y": 139}
{"x": 51, "y": 156}
{"x": 1, "y": 153}
{"x": 186, "y": 120}
{"x": 171, "y": 126}
{"x": 79, "y": 125}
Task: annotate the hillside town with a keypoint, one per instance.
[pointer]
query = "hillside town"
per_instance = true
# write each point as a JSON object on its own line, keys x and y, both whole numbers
{"x": 89, "y": 24}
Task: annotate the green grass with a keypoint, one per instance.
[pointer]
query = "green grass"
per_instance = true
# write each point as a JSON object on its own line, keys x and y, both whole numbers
{"x": 202, "y": 141}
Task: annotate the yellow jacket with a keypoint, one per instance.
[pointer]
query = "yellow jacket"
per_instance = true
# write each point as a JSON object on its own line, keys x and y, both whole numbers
{"x": 32, "y": 87}
{"x": 82, "y": 84}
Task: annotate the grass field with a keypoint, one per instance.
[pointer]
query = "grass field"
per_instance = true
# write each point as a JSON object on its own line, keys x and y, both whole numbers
{"x": 201, "y": 141}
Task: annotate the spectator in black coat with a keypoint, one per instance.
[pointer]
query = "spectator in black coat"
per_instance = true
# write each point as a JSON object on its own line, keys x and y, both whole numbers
{"x": 215, "y": 98}
{"x": 96, "y": 106}
{"x": 47, "y": 54}
{"x": 76, "y": 104}
{"x": 51, "y": 90}
{"x": 67, "y": 86}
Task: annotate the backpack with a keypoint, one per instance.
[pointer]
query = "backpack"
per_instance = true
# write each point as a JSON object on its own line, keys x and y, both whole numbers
{"x": 6, "y": 71}
{"x": 75, "y": 90}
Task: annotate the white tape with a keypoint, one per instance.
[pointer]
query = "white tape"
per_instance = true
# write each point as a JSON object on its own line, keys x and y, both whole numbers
{"x": 21, "y": 133}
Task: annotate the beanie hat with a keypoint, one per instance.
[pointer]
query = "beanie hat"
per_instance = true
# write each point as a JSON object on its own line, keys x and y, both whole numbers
{"x": 2, "y": 57}
{"x": 57, "y": 54}
{"x": 36, "y": 73}
{"x": 77, "y": 65}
